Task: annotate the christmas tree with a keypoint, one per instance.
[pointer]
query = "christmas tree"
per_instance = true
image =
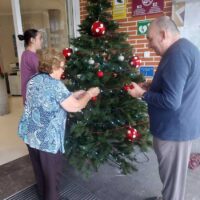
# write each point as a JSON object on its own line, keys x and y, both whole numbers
{"x": 113, "y": 123}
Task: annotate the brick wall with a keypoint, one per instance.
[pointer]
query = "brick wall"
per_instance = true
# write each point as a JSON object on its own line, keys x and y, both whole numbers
{"x": 129, "y": 25}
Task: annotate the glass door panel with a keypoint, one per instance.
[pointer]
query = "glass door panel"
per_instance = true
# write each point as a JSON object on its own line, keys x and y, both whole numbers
{"x": 48, "y": 16}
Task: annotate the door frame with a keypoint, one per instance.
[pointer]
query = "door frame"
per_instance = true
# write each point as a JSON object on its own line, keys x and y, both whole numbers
{"x": 73, "y": 10}
{"x": 17, "y": 21}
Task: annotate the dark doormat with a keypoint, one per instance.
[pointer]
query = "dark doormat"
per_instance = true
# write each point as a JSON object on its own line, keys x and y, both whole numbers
{"x": 70, "y": 191}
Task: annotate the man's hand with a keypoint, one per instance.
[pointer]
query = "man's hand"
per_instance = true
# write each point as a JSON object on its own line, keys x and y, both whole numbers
{"x": 137, "y": 91}
{"x": 145, "y": 85}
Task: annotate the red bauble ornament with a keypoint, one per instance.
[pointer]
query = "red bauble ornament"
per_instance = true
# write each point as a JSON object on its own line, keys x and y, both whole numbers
{"x": 67, "y": 52}
{"x": 131, "y": 86}
{"x": 63, "y": 76}
{"x": 100, "y": 74}
{"x": 127, "y": 87}
{"x": 98, "y": 29}
{"x": 135, "y": 61}
{"x": 94, "y": 98}
{"x": 132, "y": 134}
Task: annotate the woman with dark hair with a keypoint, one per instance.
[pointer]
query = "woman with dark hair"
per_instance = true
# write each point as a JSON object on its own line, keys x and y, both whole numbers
{"x": 42, "y": 126}
{"x": 29, "y": 60}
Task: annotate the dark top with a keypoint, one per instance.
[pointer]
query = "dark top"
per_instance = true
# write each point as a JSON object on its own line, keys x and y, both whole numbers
{"x": 29, "y": 67}
{"x": 174, "y": 96}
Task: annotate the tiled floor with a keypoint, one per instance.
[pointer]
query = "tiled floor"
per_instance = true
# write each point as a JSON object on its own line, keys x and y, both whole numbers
{"x": 11, "y": 147}
{"x": 15, "y": 176}
{"x": 106, "y": 184}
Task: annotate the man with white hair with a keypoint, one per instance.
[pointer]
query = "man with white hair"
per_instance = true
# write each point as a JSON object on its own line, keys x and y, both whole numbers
{"x": 173, "y": 104}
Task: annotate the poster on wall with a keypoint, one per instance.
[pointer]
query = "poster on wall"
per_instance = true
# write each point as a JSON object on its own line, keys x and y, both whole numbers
{"x": 147, "y": 7}
{"x": 142, "y": 27}
{"x": 119, "y": 9}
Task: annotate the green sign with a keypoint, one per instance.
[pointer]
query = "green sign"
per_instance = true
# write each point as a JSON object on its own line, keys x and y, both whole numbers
{"x": 142, "y": 27}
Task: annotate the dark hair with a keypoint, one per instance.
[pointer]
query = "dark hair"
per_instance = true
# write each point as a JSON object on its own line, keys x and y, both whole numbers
{"x": 50, "y": 58}
{"x": 28, "y": 34}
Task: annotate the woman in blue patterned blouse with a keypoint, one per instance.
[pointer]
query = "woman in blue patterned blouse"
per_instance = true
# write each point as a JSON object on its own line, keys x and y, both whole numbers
{"x": 42, "y": 126}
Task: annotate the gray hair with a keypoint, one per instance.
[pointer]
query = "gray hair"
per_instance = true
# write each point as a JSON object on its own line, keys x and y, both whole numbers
{"x": 166, "y": 23}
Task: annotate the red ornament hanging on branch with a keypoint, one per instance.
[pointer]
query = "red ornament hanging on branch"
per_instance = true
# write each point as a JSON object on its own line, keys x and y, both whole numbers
{"x": 132, "y": 134}
{"x": 127, "y": 87}
{"x": 135, "y": 61}
{"x": 100, "y": 74}
{"x": 94, "y": 98}
{"x": 98, "y": 29}
{"x": 63, "y": 76}
{"x": 67, "y": 52}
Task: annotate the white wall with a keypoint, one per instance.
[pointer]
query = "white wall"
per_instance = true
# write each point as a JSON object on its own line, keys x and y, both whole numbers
{"x": 191, "y": 28}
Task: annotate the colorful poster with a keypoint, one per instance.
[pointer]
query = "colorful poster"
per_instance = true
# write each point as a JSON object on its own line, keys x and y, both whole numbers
{"x": 119, "y": 9}
{"x": 147, "y": 7}
{"x": 142, "y": 27}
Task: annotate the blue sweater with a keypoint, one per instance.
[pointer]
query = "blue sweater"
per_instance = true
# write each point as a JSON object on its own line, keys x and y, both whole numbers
{"x": 174, "y": 96}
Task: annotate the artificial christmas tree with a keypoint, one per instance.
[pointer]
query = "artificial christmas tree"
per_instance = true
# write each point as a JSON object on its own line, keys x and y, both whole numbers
{"x": 113, "y": 123}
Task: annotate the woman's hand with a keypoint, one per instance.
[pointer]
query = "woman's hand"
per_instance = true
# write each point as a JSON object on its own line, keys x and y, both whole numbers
{"x": 93, "y": 92}
{"x": 72, "y": 104}
{"x": 78, "y": 94}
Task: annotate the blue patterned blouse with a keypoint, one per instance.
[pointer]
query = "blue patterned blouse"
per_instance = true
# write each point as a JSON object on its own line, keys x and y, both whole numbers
{"x": 42, "y": 125}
